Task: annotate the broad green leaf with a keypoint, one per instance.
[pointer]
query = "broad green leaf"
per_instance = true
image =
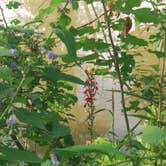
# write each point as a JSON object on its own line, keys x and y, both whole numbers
{"x": 103, "y": 71}
{"x": 159, "y": 54}
{"x": 13, "y": 5}
{"x": 146, "y": 15}
{"x": 21, "y": 29}
{"x": 83, "y": 30}
{"x": 5, "y": 52}
{"x": 12, "y": 155}
{"x": 59, "y": 131}
{"x": 135, "y": 41}
{"x": 64, "y": 20}
{"x": 90, "y": 44}
{"x": 153, "y": 135}
{"x": 5, "y": 73}
{"x": 126, "y": 6}
{"x": 89, "y": 57}
{"x": 75, "y": 5}
{"x": 6, "y": 92}
{"x": 98, "y": 148}
{"x": 31, "y": 118}
{"x": 47, "y": 163}
{"x": 69, "y": 41}
{"x": 143, "y": 117}
{"x": 100, "y": 62}
{"x": 50, "y": 9}
{"x": 54, "y": 75}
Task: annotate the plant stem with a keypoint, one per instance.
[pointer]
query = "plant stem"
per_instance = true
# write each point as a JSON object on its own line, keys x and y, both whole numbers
{"x": 159, "y": 117}
{"x": 115, "y": 58}
{"x": 12, "y": 99}
{"x": 113, "y": 115}
{"x": 3, "y": 16}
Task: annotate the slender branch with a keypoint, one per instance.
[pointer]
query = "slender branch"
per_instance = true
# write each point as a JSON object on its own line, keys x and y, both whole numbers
{"x": 12, "y": 99}
{"x": 161, "y": 84}
{"x": 117, "y": 68}
{"x": 94, "y": 20}
{"x": 3, "y": 16}
{"x": 19, "y": 145}
{"x": 113, "y": 114}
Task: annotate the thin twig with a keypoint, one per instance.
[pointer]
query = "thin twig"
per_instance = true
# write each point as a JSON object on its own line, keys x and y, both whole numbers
{"x": 161, "y": 84}
{"x": 12, "y": 99}
{"x": 3, "y": 16}
{"x": 117, "y": 68}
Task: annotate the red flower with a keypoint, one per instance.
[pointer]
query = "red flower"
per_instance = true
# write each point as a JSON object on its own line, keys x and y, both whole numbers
{"x": 90, "y": 89}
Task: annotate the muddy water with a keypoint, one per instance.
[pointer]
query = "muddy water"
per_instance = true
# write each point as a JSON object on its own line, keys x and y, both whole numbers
{"x": 103, "y": 120}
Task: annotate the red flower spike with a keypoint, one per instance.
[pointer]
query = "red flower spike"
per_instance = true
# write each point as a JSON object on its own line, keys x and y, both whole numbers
{"x": 90, "y": 89}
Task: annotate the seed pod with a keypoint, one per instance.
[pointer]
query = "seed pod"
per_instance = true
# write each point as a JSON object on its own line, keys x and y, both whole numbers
{"x": 127, "y": 26}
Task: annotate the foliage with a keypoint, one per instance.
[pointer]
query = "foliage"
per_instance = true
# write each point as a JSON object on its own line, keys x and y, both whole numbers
{"x": 36, "y": 90}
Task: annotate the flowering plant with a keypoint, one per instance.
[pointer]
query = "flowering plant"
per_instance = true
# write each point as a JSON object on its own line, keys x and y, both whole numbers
{"x": 90, "y": 91}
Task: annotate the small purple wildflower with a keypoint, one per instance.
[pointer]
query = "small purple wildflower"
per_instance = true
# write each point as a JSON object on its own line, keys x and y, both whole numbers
{"x": 13, "y": 51}
{"x": 14, "y": 66}
{"x": 54, "y": 159}
{"x": 51, "y": 55}
{"x": 11, "y": 121}
{"x": 43, "y": 50}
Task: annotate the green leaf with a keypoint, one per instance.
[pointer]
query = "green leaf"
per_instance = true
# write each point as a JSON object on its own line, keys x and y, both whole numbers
{"x": 146, "y": 15}
{"x": 98, "y": 148}
{"x": 5, "y": 73}
{"x": 69, "y": 41}
{"x": 135, "y": 41}
{"x": 13, "y": 5}
{"x": 101, "y": 62}
{"x": 5, "y": 52}
{"x": 13, "y": 155}
{"x": 159, "y": 54}
{"x": 47, "y": 163}
{"x": 31, "y": 118}
{"x": 50, "y": 9}
{"x": 126, "y": 6}
{"x": 64, "y": 20}
{"x": 91, "y": 44}
{"x": 75, "y": 5}
{"x": 144, "y": 117}
{"x": 103, "y": 71}
{"x": 59, "y": 131}
{"x": 153, "y": 135}
{"x": 89, "y": 57}
{"x": 54, "y": 75}
{"x": 83, "y": 30}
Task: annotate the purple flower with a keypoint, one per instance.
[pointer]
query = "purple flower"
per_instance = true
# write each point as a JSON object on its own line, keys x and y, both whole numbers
{"x": 43, "y": 50}
{"x": 11, "y": 121}
{"x": 13, "y": 51}
{"x": 51, "y": 55}
{"x": 14, "y": 66}
{"x": 54, "y": 159}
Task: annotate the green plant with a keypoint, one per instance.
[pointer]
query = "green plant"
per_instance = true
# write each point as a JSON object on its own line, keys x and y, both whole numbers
{"x": 35, "y": 89}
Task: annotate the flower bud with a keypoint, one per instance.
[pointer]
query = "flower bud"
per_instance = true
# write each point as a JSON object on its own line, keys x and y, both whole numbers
{"x": 43, "y": 50}
{"x": 13, "y": 51}
{"x": 54, "y": 159}
{"x": 51, "y": 55}
{"x": 11, "y": 121}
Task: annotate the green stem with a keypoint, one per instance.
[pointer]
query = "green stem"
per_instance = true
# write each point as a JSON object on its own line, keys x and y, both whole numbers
{"x": 8, "y": 108}
{"x": 3, "y": 16}
{"x": 160, "y": 109}
{"x": 113, "y": 115}
{"x": 117, "y": 68}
